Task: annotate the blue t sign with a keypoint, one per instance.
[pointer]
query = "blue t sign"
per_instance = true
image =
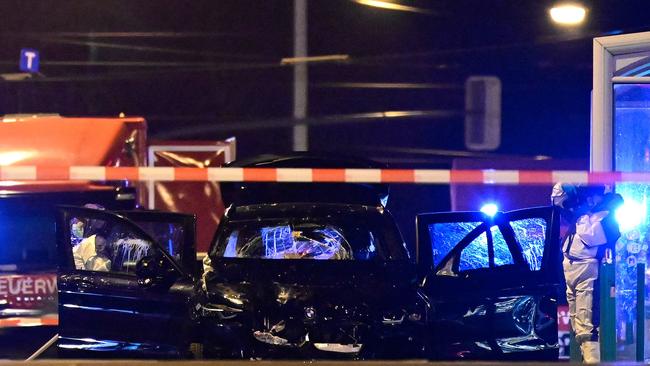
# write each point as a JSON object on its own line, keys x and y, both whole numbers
{"x": 29, "y": 60}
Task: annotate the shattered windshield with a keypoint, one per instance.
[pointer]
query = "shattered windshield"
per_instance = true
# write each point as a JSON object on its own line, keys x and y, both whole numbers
{"x": 284, "y": 239}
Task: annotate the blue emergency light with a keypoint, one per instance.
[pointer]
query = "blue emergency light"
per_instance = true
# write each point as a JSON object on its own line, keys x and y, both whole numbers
{"x": 490, "y": 209}
{"x": 630, "y": 215}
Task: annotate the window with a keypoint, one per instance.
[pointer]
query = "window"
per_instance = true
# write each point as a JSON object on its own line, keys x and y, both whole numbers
{"x": 475, "y": 255}
{"x": 308, "y": 241}
{"x": 105, "y": 246}
{"x": 170, "y": 235}
{"x": 445, "y": 236}
{"x": 300, "y": 240}
{"x": 531, "y": 236}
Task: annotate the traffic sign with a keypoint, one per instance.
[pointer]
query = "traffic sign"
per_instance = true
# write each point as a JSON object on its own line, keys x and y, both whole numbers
{"x": 29, "y": 60}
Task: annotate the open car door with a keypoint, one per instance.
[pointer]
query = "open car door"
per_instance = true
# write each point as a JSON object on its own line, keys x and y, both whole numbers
{"x": 492, "y": 283}
{"x": 125, "y": 283}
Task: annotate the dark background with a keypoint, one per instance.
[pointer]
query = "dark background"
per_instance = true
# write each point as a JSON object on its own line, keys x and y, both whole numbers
{"x": 183, "y": 64}
{"x": 211, "y": 70}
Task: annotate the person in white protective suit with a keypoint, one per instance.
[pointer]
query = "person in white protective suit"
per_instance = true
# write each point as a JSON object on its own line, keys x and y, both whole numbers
{"x": 592, "y": 232}
{"x": 91, "y": 253}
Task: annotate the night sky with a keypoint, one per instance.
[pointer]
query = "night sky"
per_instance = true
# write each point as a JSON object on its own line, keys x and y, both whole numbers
{"x": 210, "y": 69}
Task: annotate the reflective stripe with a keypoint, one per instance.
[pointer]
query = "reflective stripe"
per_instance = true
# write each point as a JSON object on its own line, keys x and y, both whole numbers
{"x": 45, "y": 320}
{"x": 308, "y": 175}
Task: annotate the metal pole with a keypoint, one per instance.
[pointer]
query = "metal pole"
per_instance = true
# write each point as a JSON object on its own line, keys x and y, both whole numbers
{"x": 43, "y": 348}
{"x": 607, "y": 312}
{"x": 300, "y": 77}
{"x": 640, "y": 312}
{"x": 574, "y": 348}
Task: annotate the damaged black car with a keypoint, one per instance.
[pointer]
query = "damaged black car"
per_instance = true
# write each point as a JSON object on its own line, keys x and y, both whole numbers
{"x": 319, "y": 273}
{"x": 310, "y": 281}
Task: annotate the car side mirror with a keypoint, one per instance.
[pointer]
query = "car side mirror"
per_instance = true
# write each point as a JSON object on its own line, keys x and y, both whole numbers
{"x": 154, "y": 271}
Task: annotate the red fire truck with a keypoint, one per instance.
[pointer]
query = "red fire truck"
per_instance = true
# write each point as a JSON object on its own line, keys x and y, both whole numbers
{"x": 28, "y": 304}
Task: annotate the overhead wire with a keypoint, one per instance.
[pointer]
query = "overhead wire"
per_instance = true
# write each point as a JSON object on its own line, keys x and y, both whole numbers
{"x": 136, "y": 34}
{"x": 353, "y": 118}
{"x": 180, "y": 67}
{"x": 397, "y": 86}
{"x": 141, "y": 48}
{"x": 120, "y": 63}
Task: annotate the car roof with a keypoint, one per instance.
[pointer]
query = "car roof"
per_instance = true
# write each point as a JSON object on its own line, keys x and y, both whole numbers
{"x": 300, "y": 210}
{"x": 246, "y": 193}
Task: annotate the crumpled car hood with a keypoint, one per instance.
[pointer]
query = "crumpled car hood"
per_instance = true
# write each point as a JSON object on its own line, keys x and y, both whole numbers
{"x": 263, "y": 283}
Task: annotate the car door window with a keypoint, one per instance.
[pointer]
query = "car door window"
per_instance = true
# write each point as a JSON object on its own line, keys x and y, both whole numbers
{"x": 475, "y": 255}
{"x": 530, "y": 234}
{"x": 458, "y": 244}
{"x": 170, "y": 235}
{"x": 446, "y": 235}
{"x": 104, "y": 245}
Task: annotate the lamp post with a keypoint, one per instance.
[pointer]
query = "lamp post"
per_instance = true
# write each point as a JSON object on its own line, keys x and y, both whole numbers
{"x": 300, "y": 77}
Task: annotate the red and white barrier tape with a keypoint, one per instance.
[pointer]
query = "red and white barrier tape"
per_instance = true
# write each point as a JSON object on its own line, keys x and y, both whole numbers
{"x": 25, "y": 321}
{"x": 423, "y": 176}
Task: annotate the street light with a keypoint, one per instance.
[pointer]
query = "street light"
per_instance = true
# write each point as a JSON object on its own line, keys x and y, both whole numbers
{"x": 568, "y": 14}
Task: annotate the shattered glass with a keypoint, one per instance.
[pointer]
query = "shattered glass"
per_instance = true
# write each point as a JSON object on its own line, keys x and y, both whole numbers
{"x": 307, "y": 241}
{"x": 326, "y": 238}
{"x": 277, "y": 241}
{"x": 445, "y": 236}
{"x": 104, "y": 246}
{"x": 127, "y": 252}
{"x": 475, "y": 255}
{"x": 311, "y": 242}
{"x": 170, "y": 235}
{"x": 531, "y": 236}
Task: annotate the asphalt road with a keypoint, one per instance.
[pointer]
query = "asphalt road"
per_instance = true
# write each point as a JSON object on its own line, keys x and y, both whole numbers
{"x": 20, "y": 343}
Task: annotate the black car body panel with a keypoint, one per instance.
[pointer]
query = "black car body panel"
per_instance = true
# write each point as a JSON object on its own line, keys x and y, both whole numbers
{"x": 314, "y": 304}
{"x": 140, "y": 306}
{"x": 500, "y": 303}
